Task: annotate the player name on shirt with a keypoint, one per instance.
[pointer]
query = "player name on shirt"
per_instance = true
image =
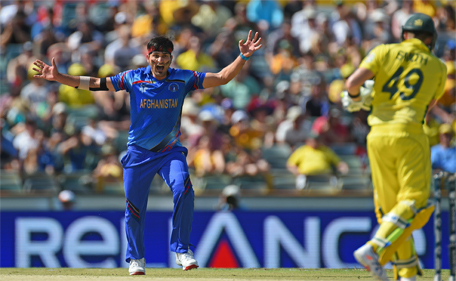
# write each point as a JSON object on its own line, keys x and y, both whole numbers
{"x": 412, "y": 57}
{"x": 158, "y": 103}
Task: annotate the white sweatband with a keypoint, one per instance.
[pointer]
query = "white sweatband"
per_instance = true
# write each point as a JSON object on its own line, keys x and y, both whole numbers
{"x": 84, "y": 82}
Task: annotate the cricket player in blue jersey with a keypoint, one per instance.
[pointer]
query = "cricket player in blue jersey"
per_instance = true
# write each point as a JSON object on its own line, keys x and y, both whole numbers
{"x": 157, "y": 94}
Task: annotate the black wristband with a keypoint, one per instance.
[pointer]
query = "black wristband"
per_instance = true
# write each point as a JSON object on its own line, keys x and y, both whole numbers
{"x": 103, "y": 86}
{"x": 355, "y": 96}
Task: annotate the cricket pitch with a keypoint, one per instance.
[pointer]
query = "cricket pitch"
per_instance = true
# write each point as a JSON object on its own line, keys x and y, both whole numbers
{"x": 169, "y": 274}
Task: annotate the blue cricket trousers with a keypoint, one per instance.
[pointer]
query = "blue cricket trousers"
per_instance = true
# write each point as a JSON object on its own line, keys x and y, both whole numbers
{"x": 140, "y": 166}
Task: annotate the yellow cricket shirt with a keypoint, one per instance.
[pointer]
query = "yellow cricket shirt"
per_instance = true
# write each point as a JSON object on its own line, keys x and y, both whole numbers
{"x": 313, "y": 161}
{"x": 407, "y": 77}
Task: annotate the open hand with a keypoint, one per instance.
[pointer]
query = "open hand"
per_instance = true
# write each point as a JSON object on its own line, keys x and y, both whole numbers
{"x": 250, "y": 46}
{"x": 45, "y": 71}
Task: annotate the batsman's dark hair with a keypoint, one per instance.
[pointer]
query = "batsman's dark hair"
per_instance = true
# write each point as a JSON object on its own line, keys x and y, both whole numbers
{"x": 160, "y": 41}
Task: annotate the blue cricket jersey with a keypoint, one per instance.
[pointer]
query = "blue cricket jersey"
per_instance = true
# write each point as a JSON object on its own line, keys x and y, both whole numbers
{"x": 156, "y": 105}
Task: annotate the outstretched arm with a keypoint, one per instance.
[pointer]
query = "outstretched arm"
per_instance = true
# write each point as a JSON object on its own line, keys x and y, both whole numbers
{"x": 229, "y": 72}
{"x": 51, "y": 73}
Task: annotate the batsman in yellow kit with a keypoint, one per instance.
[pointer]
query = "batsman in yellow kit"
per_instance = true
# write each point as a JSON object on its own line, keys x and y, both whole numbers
{"x": 408, "y": 80}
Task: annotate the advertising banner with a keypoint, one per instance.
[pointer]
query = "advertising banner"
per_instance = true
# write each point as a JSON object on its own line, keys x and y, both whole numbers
{"x": 247, "y": 239}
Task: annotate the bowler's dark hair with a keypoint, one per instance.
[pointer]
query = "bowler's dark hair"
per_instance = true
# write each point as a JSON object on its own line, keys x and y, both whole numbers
{"x": 160, "y": 42}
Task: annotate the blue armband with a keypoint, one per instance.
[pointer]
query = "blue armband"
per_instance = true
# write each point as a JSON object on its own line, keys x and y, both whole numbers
{"x": 244, "y": 57}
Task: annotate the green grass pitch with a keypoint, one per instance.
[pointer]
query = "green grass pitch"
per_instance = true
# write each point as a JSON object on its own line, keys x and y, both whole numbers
{"x": 117, "y": 274}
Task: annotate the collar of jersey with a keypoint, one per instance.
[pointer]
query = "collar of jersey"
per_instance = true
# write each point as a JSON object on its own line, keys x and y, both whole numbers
{"x": 417, "y": 42}
{"x": 149, "y": 73}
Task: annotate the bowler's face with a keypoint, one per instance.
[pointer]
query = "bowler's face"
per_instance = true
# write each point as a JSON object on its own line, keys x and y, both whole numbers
{"x": 159, "y": 63}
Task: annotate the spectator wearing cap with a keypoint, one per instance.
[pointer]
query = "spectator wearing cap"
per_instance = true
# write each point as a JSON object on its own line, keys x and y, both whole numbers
{"x": 443, "y": 155}
{"x": 295, "y": 129}
{"x": 229, "y": 199}
{"x": 314, "y": 158}
{"x": 74, "y": 97}
{"x": 67, "y": 199}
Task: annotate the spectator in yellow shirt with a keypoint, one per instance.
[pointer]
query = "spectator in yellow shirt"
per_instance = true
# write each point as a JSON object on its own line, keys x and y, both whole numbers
{"x": 314, "y": 158}
{"x": 195, "y": 59}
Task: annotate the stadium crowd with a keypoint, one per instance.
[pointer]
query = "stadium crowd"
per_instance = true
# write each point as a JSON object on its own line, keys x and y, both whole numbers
{"x": 288, "y": 95}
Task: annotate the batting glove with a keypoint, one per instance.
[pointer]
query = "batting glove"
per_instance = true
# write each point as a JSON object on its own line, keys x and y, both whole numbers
{"x": 364, "y": 103}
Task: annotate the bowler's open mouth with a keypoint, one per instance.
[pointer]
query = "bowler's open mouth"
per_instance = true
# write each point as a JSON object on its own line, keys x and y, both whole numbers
{"x": 160, "y": 67}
